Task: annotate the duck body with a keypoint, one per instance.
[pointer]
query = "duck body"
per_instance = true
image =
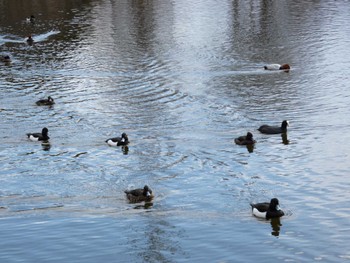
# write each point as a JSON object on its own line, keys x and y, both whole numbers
{"x": 139, "y": 195}
{"x": 267, "y": 129}
{"x": 30, "y": 19}
{"x": 118, "y": 141}
{"x": 245, "y": 140}
{"x": 30, "y": 39}
{"x": 284, "y": 67}
{"x": 45, "y": 102}
{"x": 43, "y": 136}
{"x": 267, "y": 210}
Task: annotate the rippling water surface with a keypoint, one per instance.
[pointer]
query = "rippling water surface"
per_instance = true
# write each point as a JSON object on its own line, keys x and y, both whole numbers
{"x": 182, "y": 79}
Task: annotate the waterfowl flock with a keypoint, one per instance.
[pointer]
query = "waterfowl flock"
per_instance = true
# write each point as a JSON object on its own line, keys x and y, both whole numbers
{"x": 262, "y": 210}
{"x": 266, "y": 210}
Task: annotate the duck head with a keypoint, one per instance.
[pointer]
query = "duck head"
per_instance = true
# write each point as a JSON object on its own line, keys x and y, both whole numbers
{"x": 125, "y": 137}
{"x": 147, "y": 191}
{"x": 30, "y": 39}
{"x": 249, "y": 136}
{"x": 44, "y": 131}
{"x": 285, "y": 124}
{"x": 285, "y": 67}
{"x": 274, "y": 205}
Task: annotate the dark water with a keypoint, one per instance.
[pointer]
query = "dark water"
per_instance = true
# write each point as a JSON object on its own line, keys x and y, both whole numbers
{"x": 182, "y": 79}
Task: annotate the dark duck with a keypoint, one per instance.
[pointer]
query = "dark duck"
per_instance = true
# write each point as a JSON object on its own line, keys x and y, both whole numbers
{"x": 267, "y": 210}
{"x": 45, "y": 102}
{"x": 245, "y": 140}
{"x": 118, "y": 141}
{"x": 139, "y": 195}
{"x": 267, "y": 129}
{"x": 39, "y": 136}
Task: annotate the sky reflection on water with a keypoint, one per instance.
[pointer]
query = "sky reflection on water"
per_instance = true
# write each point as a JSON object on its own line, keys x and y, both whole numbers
{"x": 182, "y": 79}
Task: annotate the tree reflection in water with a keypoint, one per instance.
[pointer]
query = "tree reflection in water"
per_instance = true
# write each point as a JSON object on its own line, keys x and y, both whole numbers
{"x": 159, "y": 238}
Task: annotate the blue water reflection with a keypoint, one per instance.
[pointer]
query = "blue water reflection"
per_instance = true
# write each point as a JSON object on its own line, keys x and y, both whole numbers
{"x": 182, "y": 79}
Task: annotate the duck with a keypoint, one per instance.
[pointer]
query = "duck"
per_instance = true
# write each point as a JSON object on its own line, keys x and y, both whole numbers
{"x": 245, "y": 140}
{"x": 45, "y": 102}
{"x": 30, "y": 39}
{"x": 267, "y": 129}
{"x": 118, "y": 141}
{"x": 284, "y": 67}
{"x": 39, "y": 136}
{"x": 5, "y": 58}
{"x": 30, "y": 19}
{"x": 139, "y": 195}
{"x": 267, "y": 210}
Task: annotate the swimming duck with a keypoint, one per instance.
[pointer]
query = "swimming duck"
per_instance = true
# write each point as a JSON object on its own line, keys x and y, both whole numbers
{"x": 118, "y": 141}
{"x": 267, "y": 129}
{"x": 45, "y": 102}
{"x": 30, "y": 39}
{"x": 30, "y": 19}
{"x": 267, "y": 210}
{"x": 284, "y": 67}
{"x": 139, "y": 195}
{"x": 5, "y": 58}
{"x": 39, "y": 136}
{"x": 245, "y": 140}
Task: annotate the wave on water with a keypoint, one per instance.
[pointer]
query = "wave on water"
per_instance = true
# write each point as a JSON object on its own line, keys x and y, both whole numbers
{"x": 45, "y": 36}
{"x": 37, "y": 38}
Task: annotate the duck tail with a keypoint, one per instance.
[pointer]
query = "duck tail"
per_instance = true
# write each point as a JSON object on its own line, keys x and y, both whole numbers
{"x": 252, "y": 205}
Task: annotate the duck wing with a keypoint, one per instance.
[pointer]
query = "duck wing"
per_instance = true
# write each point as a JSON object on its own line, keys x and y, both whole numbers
{"x": 240, "y": 140}
{"x": 267, "y": 129}
{"x": 37, "y": 137}
{"x": 135, "y": 192}
{"x": 261, "y": 207}
{"x": 35, "y": 134}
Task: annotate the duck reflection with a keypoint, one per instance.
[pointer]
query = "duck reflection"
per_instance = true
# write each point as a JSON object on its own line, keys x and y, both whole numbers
{"x": 285, "y": 138}
{"x": 146, "y": 205}
{"x": 46, "y": 146}
{"x": 250, "y": 147}
{"x": 276, "y": 226}
{"x": 125, "y": 149}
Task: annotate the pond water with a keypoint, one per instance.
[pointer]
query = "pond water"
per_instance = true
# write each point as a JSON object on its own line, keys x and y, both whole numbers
{"x": 182, "y": 79}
